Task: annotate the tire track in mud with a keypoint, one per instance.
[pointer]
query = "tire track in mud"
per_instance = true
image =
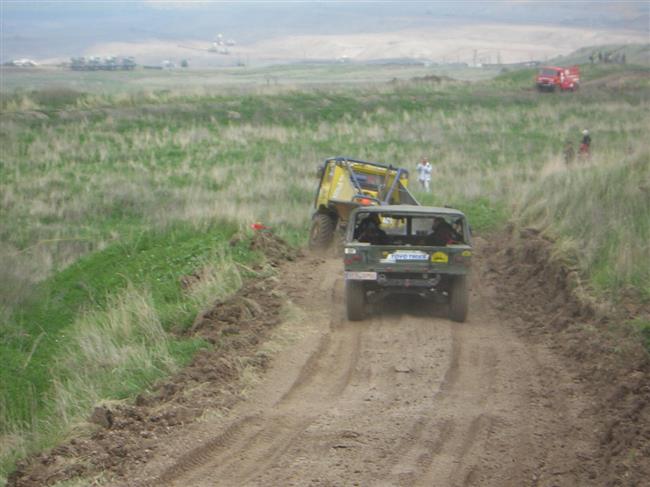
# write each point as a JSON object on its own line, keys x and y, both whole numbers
{"x": 200, "y": 455}
{"x": 237, "y": 462}
{"x": 392, "y": 358}
{"x": 408, "y": 453}
{"x": 264, "y": 438}
{"x": 341, "y": 345}
{"x": 405, "y": 397}
{"x": 450, "y": 433}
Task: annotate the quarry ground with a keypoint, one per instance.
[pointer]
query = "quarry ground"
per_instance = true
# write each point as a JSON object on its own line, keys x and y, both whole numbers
{"x": 535, "y": 389}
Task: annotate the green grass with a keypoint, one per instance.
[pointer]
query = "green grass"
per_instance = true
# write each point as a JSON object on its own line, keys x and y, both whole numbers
{"x": 231, "y": 79}
{"x": 634, "y": 53}
{"x": 154, "y": 260}
{"x": 92, "y": 316}
{"x": 484, "y": 215}
{"x": 109, "y": 196}
{"x": 601, "y": 213}
{"x": 643, "y": 328}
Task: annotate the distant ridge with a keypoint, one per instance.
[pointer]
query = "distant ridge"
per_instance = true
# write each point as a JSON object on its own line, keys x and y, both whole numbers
{"x": 634, "y": 54}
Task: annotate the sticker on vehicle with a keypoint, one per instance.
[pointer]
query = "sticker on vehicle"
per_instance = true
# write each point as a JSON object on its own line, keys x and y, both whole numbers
{"x": 439, "y": 258}
{"x": 405, "y": 255}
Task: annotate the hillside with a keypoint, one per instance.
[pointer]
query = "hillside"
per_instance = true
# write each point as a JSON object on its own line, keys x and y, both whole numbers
{"x": 634, "y": 54}
{"x": 125, "y": 207}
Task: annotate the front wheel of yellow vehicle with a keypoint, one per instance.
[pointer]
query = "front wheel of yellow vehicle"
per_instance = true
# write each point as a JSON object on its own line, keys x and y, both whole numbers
{"x": 322, "y": 231}
{"x": 355, "y": 300}
{"x": 458, "y": 299}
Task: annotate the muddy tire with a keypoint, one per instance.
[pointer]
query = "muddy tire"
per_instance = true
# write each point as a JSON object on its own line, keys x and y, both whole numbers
{"x": 458, "y": 299}
{"x": 321, "y": 233}
{"x": 355, "y": 300}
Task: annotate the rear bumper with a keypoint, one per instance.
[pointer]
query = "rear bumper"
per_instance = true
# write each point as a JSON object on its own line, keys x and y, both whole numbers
{"x": 386, "y": 281}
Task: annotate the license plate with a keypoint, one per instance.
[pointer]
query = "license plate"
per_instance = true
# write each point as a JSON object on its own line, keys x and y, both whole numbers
{"x": 360, "y": 276}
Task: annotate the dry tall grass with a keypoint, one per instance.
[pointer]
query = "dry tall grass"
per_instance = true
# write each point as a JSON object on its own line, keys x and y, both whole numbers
{"x": 66, "y": 183}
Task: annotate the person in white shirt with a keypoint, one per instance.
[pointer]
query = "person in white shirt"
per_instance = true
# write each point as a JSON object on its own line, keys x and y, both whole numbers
{"x": 424, "y": 173}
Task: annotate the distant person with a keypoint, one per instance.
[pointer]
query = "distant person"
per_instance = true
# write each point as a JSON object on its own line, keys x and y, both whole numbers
{"x": 585, "y": 145}
{"x": 569, "y": 152}
{"x": 424, "y": 170}
{"x": 442, "y": 233}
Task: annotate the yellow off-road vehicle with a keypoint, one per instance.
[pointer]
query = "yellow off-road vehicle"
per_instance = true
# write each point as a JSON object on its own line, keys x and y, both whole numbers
{"x": 346, "y": 184}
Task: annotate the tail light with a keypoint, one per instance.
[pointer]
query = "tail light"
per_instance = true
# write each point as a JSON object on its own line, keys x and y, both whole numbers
{"x": 352, "y": 258}
{"x": 464, "y": 257}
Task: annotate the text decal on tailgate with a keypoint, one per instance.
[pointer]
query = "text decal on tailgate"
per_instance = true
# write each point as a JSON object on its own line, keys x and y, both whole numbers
{"x": 405, "y": 255}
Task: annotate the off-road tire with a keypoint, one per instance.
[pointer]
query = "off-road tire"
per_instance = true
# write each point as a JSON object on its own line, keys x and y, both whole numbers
{"x": 321, "y": 233}
{"x": 458, "y": 299}
{"x": 355, "y": 300}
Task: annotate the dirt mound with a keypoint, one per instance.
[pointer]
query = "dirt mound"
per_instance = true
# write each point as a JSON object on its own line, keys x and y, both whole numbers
{"x": 274, "y": 248}
{"x": 542, "y": 296}
{"x": 127, "y": 435}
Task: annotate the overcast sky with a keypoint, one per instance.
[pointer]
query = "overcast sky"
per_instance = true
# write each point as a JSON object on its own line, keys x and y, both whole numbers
{"x": 41, "y": 29}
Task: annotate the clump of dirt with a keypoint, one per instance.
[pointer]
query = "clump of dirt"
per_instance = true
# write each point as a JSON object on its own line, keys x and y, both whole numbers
{"x": 274, "y": 248}
{"x": 127, "y": 435}
{"x": 545, "y": 300}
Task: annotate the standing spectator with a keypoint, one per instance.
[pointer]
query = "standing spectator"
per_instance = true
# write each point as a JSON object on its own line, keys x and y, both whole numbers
{"x": 424, "y": 173}
{"x": 585, "y": 145}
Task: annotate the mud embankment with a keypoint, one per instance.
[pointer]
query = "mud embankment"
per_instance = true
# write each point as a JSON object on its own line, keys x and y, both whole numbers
{"x": 546, "y": 304}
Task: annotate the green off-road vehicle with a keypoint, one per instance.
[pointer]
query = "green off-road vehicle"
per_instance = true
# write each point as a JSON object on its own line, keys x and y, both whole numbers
{"x": 406, "y": 249}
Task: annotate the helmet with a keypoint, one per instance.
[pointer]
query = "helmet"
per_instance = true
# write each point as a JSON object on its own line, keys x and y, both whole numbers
{"x": 585, "y": 132}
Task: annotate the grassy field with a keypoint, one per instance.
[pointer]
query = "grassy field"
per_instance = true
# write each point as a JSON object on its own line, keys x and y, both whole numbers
{"x": 110, "y": 195}
{"x": 226, "y": 79}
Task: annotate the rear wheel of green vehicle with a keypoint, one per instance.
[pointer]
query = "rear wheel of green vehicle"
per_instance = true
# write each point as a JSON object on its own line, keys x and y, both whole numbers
{"x": 458, "y": 299}
{"x": 355, "y": 300}
{"x": 322, "y": 231}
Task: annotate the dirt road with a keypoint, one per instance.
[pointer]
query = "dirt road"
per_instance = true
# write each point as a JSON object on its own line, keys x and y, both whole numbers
{"x": 535, "y": 389}
{"x": 405, "y": 397}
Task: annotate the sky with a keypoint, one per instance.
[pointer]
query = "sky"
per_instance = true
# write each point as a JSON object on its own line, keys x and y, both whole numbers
{"x": 57, "y": 30}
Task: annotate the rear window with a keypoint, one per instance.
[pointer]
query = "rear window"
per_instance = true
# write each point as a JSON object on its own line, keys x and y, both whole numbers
{"x": 410, "y": 225}
{"x": 369, "y": 181}
{"x": 547, "y": 72}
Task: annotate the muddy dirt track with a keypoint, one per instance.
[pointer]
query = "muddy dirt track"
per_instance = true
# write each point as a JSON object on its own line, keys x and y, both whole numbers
{"x": 406, "y": 397}
{"x": 522, "y": 394}
{"x": 400, "y": 399}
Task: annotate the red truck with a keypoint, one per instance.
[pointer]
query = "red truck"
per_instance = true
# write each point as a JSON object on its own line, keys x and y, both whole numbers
{"x": 551, "y": 78}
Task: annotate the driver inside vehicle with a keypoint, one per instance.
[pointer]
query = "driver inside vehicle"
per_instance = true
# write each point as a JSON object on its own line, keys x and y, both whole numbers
{"x": 369, "y": 231}
{"x": 442, "y": 233}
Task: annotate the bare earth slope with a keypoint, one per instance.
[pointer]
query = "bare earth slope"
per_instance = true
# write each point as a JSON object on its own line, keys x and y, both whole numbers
{"x": 522, "y": 394}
